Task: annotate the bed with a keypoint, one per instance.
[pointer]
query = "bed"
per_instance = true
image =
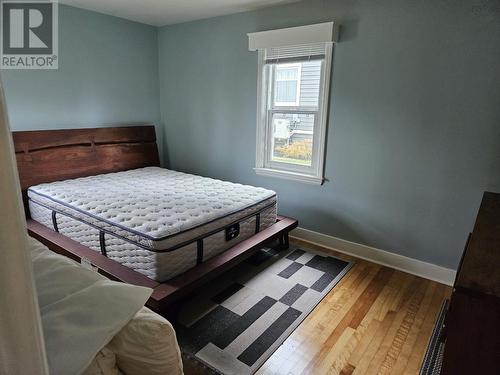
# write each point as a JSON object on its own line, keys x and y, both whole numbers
{"x": 155, "y": 221}
{"x": 101, "y": 196}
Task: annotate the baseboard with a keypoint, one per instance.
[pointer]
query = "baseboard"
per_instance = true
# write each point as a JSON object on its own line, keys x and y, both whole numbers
{"x": 414, "y": 266}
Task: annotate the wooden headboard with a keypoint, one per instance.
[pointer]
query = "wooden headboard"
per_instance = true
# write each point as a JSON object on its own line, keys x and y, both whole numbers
{"x": 55, "y": 155}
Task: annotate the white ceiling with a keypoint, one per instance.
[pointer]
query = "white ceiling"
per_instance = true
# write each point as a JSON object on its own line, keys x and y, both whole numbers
{"x": 167, "y": 12}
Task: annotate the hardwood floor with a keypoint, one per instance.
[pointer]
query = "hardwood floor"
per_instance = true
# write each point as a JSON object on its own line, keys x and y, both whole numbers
{"x": 375, "y": 321}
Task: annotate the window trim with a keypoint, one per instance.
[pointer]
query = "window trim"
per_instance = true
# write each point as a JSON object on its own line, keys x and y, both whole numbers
{"x": 315, "y": 173}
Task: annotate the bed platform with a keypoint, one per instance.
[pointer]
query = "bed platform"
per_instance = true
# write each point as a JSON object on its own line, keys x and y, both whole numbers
{"x": 58, "y": 155}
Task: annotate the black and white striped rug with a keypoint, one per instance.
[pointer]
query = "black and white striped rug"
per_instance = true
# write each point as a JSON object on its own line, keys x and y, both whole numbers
{"x": 237, "y": 321}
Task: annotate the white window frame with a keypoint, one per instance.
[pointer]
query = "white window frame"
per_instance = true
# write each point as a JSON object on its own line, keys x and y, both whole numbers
{"x": 264, "y": 165}
{"x": 297, "y": 93}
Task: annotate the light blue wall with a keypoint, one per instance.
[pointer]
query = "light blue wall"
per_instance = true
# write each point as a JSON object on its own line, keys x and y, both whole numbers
{"x": 414, "y": 132}
{"x": 108, "y": 74}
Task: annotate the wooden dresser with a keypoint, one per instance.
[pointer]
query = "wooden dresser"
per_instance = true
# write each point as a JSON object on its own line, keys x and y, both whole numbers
{"x": 472, "y": 324}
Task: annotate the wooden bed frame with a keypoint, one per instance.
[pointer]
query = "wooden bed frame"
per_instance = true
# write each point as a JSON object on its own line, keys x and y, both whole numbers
{"x": 54, "y": 155}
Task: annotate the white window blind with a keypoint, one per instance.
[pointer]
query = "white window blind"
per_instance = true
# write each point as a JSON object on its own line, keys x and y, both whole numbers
{"x": 303, "y": 52}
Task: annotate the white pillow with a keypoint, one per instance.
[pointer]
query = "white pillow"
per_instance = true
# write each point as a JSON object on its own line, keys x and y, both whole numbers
{"x": 104, "y": 363}
{"x": 147, "y": 345}
{"x": 81, "y": 310}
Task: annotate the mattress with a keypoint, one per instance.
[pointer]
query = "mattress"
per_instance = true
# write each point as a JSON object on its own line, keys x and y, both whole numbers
{"x": 156, "y": 221}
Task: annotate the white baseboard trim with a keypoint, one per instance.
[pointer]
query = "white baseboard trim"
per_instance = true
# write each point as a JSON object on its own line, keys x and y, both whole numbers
{"x": 414, "y": 266}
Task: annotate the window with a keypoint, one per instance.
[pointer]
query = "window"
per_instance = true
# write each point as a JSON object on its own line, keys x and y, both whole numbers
{"x": 292, "y": 107}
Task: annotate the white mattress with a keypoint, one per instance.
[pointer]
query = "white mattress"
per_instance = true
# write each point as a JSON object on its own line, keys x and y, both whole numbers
{"x": 148, "y": 218}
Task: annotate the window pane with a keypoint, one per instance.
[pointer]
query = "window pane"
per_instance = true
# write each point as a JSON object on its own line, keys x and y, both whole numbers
{"x": 286, "y": 91}
{"x": 292, "y": 138}
{"x": 286, "y": 84}
{"x": 310, "y": 83}
{"x": 297, "y": 84}
{"x": 287, "y": 73}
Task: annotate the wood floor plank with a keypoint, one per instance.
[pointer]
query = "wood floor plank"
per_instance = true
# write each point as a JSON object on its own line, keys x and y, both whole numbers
{"x": 354, "y": 315}
{"x": 347, "y": 370}
{"x": 390, "y": 347}
{"x": 303, "y": 343}
{"x": 371, "y": 321}
{"x": 307, "y": 339}
{"x": 406, "y": 351}
{"x": 340, "y": 320}
{"x": 402, "y": 294}
{"x": 345, "y": 361}
{"x": 365, "y": 340}
{"x": 414, "y": 362}
{"x": 328, "y": 364}
{"x": 393, "y": 289}
{"x": 403, "y": 330}
{"x": 369, "y": 353}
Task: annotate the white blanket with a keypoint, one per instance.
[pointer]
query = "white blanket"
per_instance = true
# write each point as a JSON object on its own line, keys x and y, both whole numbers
{"x": 81, "y": 310}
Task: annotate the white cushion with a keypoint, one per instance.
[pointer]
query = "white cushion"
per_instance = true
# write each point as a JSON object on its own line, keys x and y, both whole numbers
{"x": 104, "y": 363}
{"x": 147, "y": 345}
{"x": 81, "y": 310}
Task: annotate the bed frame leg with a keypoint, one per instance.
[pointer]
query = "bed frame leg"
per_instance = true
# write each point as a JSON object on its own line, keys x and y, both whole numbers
{"x": 284, "y": 241}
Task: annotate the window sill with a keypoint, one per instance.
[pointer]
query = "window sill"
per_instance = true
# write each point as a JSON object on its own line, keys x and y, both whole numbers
{"x": 290, "y": 175}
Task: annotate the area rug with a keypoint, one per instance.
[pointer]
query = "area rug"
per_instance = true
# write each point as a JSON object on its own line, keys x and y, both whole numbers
{"x": 233, "y": 324}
